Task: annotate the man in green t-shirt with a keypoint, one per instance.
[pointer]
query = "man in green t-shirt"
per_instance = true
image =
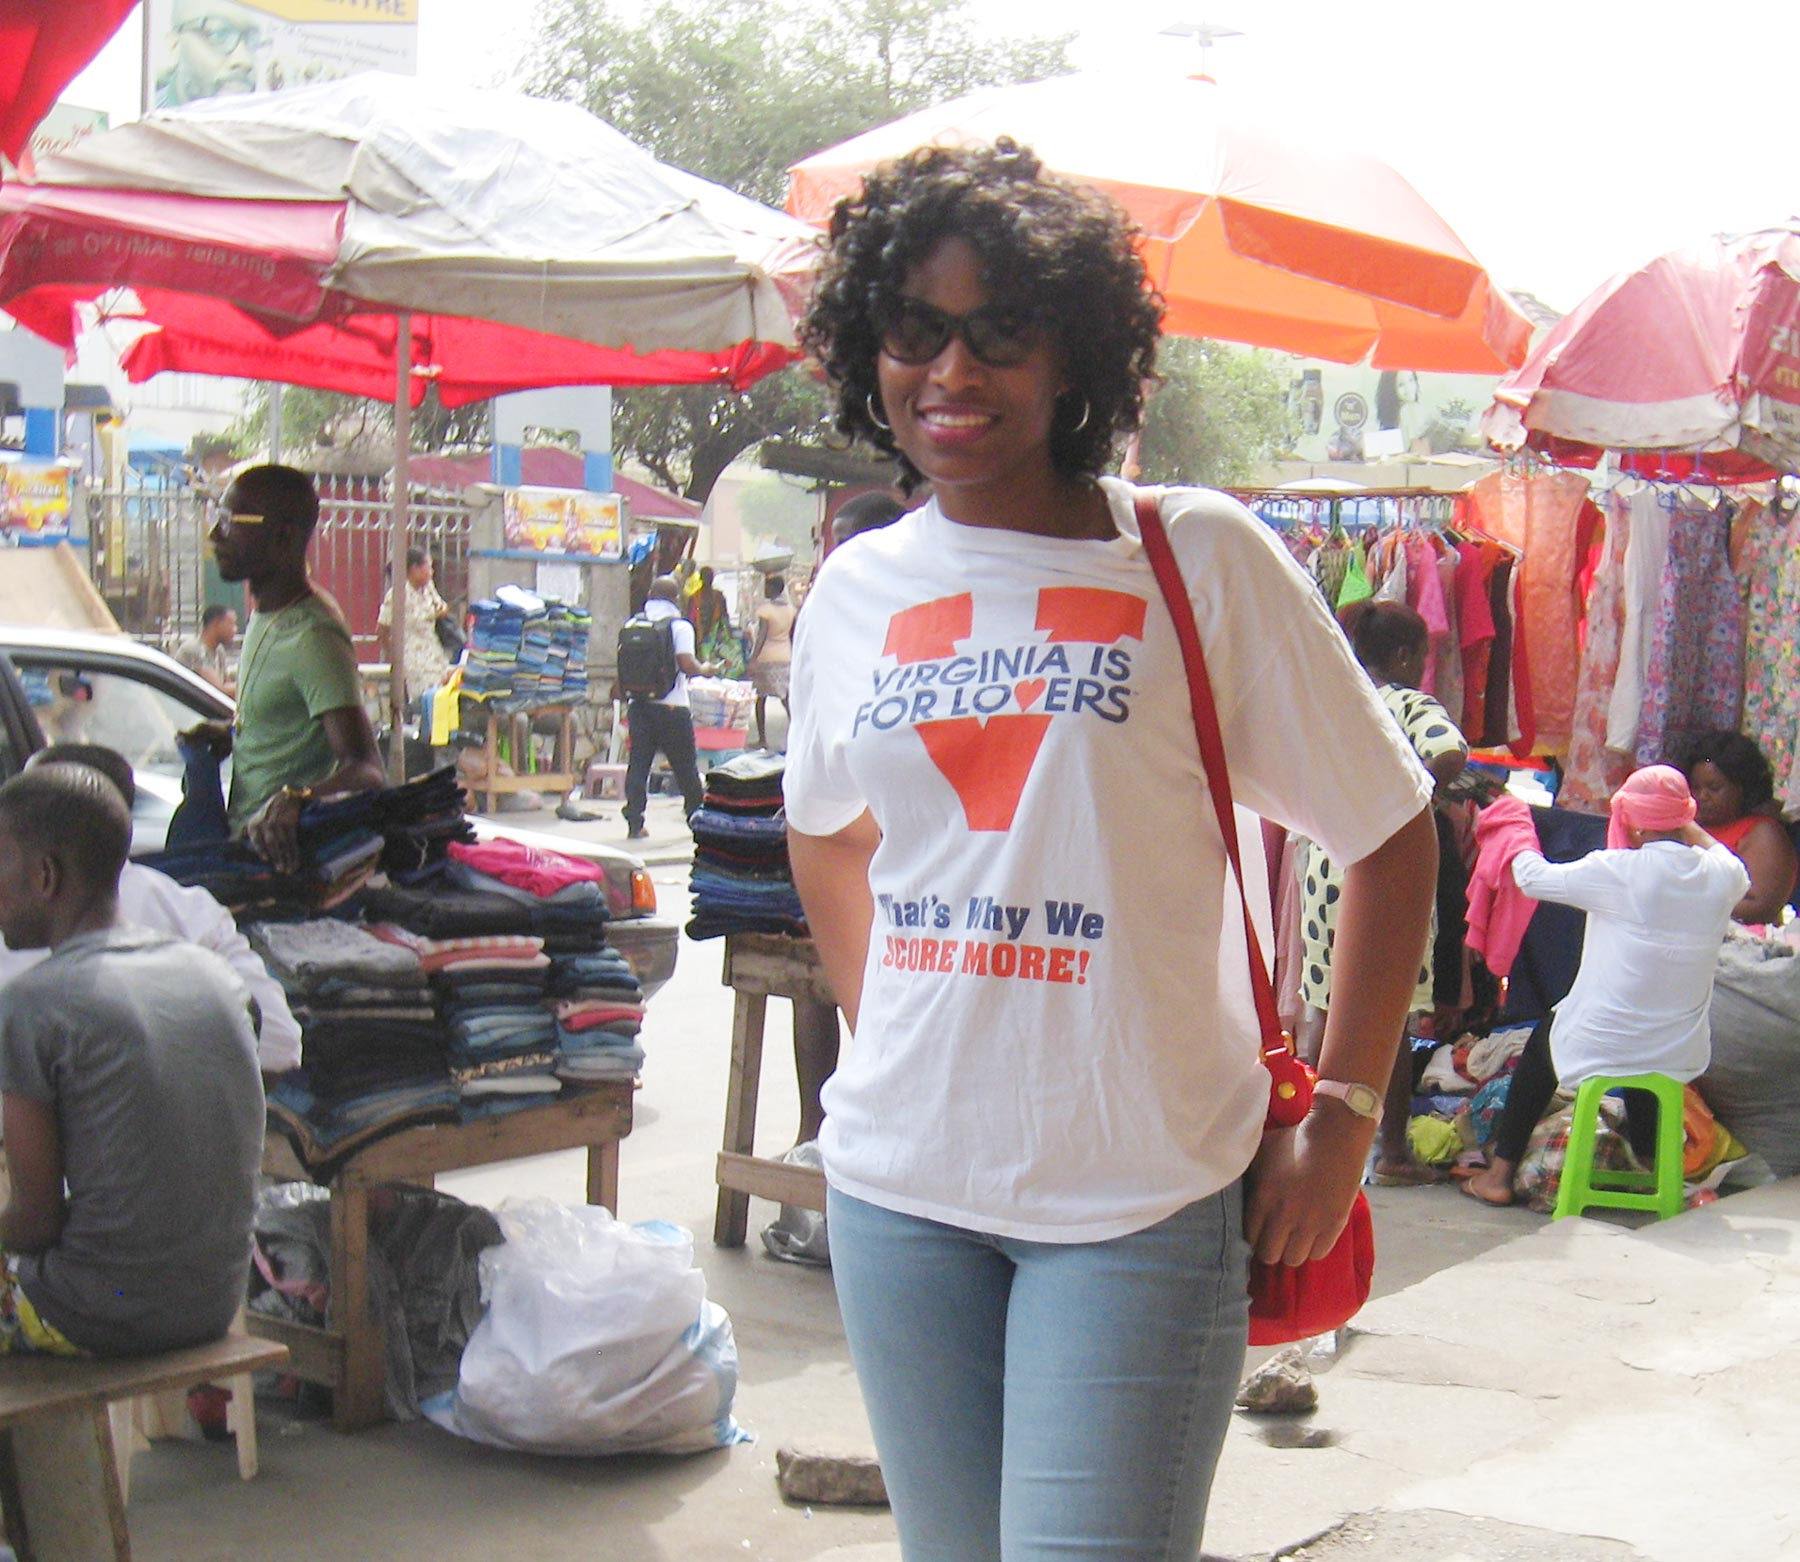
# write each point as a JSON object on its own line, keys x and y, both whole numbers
{"x": 301, "y": 728}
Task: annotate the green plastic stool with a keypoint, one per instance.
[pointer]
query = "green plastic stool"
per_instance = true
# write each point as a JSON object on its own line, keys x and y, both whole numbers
{"x": 1658, "y": 1190}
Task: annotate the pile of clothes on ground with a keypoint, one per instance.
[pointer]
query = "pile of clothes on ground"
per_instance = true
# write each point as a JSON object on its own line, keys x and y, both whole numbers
{"x": 741, "y": 880}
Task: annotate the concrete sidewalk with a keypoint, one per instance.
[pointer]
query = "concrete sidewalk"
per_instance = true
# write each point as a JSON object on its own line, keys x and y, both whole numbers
{"x": 1585, "y": 1391}
{"x": 1518, "y": 1392}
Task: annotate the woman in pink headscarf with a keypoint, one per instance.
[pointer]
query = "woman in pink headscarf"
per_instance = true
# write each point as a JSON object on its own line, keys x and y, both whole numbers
{"x": 1658, "y": 903}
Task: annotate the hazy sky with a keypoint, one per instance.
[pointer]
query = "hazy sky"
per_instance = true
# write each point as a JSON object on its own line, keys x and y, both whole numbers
{"x": 1562, "y": 139}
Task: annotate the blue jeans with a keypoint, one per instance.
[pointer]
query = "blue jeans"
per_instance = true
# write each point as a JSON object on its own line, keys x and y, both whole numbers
{"x": 1038, "y": 1400}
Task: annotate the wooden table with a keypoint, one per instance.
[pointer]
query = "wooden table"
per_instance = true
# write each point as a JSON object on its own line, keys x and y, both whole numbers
{"x": 559, "y": 778}
{"x": 758, "y": 967}
{"x": 348, "y": 1356}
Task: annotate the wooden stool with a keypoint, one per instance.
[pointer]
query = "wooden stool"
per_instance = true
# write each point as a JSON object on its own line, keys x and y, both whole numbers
{"x": 60, "y": 1480}
{"x": 760, "y": 966}
{"x": 559, "y": 778}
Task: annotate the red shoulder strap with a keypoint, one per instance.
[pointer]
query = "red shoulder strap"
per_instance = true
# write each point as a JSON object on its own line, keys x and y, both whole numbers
{"x": 1212, "y": 746}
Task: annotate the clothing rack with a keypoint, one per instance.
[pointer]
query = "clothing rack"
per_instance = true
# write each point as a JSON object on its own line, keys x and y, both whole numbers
{"x": 1361, "y": 510}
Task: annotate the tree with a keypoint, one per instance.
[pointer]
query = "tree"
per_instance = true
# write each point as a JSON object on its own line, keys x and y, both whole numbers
{"x": 735, "y": 91}
{"x": 1220, "y": 412}
{"x": 323, "y": 424}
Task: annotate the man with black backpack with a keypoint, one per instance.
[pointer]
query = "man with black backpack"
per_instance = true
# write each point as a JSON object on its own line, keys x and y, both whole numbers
{"x": 656, "y": 659}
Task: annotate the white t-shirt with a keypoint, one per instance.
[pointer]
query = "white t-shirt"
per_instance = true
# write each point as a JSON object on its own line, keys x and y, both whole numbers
{"x": 683, "y": 632}
{"x": 154, "y": 900}
{"x": 1656, "y": 917}
{"x": 1045, "y": 1048}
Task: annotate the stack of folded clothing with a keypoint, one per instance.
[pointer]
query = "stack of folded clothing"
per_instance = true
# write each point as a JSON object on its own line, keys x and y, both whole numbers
{"x": 741, "y": 880}
{"x": 491, "y": 668}
{"x": 500, "y": 1042}
{"x": 372, "y": 1048}
{"x": 537, "y": 683}
{"x": 343, "y": 841}
{"x": 570, "y": 625}
{"x": 599, "y": 1010}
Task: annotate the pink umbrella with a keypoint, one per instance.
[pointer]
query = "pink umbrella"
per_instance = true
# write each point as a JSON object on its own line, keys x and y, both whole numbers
{"x": 1688, "y": 364}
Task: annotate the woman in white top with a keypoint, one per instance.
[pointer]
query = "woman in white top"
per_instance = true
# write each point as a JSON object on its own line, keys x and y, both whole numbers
{"x": 1036, "y": 1144}
{"x": 1658, "y": 904}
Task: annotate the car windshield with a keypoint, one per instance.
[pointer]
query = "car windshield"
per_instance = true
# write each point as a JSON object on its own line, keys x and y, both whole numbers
{"x": 77, "y": 702}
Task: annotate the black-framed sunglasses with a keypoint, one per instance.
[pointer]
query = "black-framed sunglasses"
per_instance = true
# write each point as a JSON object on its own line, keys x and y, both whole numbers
{"x": 1002, "y": 336}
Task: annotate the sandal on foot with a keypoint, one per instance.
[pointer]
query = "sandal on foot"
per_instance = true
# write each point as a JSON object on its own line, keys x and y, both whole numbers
{"x": 1479, "y": 1197}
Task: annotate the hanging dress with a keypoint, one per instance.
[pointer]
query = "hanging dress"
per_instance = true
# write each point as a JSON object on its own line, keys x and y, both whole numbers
{"x": 1593, "y": 771}
{"x": 1770, "y": 565}
{"x": 1695, "y": 681}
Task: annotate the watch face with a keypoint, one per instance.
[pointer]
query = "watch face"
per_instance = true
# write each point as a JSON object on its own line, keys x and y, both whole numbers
{"x": 1364, "y": 1100}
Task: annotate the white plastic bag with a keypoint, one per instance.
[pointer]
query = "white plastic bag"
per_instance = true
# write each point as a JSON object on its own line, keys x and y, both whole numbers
{"x": 797, "y": 1235}
{"x": 598, "y": 1339}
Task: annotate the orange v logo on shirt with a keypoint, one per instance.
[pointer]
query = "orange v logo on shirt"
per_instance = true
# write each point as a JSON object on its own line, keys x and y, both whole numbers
{"x": 988, "y": 760}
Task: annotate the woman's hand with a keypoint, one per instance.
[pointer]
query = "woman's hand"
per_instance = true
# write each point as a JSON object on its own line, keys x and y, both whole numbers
{"x": 1303, "y": 1182}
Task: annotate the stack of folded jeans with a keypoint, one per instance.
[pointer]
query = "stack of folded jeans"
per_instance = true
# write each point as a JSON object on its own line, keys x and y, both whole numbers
{"x": 491, "y": 668}
{"x": 599, "y": 1010}
{"x": 741, "y": 879}
{"x": 489, "y": 989}
{"x": 372, "y": 1047}
{"x": 343, "y": 842}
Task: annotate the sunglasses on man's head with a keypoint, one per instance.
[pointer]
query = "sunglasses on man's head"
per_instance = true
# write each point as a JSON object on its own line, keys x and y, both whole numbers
{"x": 1002, "y": 336}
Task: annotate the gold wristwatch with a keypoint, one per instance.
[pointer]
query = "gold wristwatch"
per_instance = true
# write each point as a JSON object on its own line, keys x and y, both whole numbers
{"x": 1363, "y": 1100}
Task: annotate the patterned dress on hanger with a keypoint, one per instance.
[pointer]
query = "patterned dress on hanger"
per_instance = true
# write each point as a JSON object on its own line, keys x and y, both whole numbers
{"x": 1594, "y": 772}
{"x": 1695, "y": 680}
{"x": 1769, "y": 562}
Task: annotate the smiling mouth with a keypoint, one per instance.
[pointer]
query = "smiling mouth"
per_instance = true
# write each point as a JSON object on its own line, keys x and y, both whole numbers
{"x": 955, "y": 423}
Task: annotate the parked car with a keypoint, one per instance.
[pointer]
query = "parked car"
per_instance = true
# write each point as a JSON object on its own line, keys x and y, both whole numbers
{"x": 67, "y": 685}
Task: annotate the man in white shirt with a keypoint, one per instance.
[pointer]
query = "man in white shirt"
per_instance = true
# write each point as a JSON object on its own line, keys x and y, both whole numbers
{"x": 154, "y": 900}
{"x": 665, "y": 726}
{"x": 1658, "y": 905}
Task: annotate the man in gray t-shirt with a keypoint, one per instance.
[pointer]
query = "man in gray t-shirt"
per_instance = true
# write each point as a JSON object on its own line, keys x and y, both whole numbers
{"x": 129, "y": 1083}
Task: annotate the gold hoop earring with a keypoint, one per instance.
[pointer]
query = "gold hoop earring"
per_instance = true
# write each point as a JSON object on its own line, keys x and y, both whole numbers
{"x": 874, "y": 416}
{"x": 1087, "y": 411}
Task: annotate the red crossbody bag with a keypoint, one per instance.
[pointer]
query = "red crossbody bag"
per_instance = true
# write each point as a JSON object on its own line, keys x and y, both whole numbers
{"x": 1286, "y": 1303}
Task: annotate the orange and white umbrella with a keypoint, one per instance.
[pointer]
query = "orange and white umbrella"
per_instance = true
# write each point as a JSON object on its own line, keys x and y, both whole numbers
{"x": 1252, "y": 235}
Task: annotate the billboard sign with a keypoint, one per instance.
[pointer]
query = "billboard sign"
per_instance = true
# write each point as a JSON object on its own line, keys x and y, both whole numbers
{"x": 564, "y": 521}
{"x": 209, "y": 48}
{"x": 35, "y": 498}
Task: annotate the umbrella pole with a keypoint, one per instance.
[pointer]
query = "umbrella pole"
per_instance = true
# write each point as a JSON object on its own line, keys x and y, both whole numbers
{"x": 397, "y": 545}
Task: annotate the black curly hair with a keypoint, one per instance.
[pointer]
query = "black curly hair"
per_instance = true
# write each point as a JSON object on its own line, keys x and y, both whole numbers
{"x": 1738, "y": 759}
{"x": 1052, "y": 246}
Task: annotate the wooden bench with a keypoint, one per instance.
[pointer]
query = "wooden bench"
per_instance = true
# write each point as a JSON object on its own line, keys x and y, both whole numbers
{"x": 59, "y": 1475}
{"x": 758, "y": 967}
{"x": 349, "y": 1356}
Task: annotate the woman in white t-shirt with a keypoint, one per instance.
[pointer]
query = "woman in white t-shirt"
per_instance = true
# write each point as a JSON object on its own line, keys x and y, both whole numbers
{"x": 1037, "y": 1142}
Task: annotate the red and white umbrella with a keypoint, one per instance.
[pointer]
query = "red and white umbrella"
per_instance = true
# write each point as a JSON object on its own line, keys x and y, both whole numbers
{"x": 44, "y": 45}
{"x": 1252, "y": 234}
{"x": 375, "y": 235}
{"x": 281, "y": 236}
{"x": 1688, "y": 364}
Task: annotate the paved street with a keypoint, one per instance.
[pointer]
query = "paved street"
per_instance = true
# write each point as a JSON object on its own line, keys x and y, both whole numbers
{"x": 1582, "y": 1364}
